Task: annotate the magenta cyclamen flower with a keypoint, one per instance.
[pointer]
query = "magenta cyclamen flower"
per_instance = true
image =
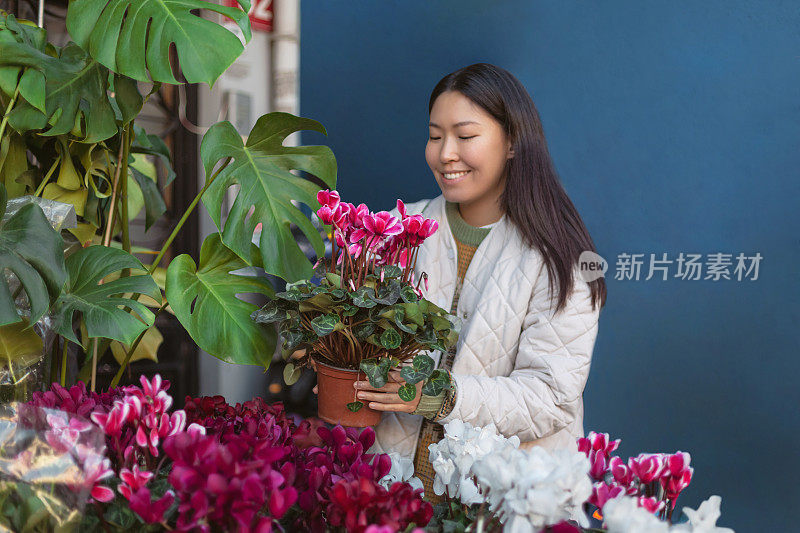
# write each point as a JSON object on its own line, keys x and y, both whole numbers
{"x": 677, "y": 474}
{"x": 382, "y": 224}
{"x": 597, "y": 442}
{"x": 328, "y": 198}
{"x": 623, "y": 475}
{"x": 602, "y": 492}
{"x": 652, "y": 504}
{"x": 647, "y": 466}
{"x": 152, "y": 512}
{"x": 132, "y": 481}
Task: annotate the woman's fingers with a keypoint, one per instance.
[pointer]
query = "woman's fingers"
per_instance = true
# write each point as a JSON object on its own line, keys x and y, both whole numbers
{"x": 389, "y": 387}
{"x": 397, "y": 407}
{"x": 315, "y": 390}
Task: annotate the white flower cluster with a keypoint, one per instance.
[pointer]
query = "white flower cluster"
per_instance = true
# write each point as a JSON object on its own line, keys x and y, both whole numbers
{"x": 453, "y": 456}
{"x": 623, "y": 515}
{"x": 526, "y": 489}
{"x": 402, "y": 470}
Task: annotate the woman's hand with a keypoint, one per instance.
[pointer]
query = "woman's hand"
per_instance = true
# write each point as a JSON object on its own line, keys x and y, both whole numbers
{"x": 386, "y": 398}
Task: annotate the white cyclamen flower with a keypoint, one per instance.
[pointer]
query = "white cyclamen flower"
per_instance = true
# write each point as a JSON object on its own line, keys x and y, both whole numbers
{"x": 535, "y": 488}
{"x": 453, "y": 456}
{"x": 402, "y": 470}
{"x": 623, "y": 515}
{"x": 704, "y": 519}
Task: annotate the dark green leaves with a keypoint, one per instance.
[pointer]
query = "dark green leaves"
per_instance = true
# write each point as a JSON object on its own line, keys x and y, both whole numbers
{"x": 438, "y": 382}
{"x": 390, "y": 339}
{"x": 33, "y": 251}
{"x": 205, "y": 300}
{"x": 364, "y": 297}
{"x": 407, "y": 392}
{"x": 324, "y": 324}
{"x": 355, "y": 406}
{"x": 291, "y": 373}
{"x": 102, "y": 304}
{"x": 261, "y": 168}
{"x": 420, "y": 369}
{"x": 377, "y": 370}
{"x": 134, "y": 37}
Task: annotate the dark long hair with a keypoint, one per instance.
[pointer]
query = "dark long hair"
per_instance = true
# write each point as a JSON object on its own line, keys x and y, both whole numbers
{"x": 534, "y": 199}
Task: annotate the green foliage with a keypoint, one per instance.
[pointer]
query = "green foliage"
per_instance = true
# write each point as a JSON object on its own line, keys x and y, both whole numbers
{"x": 204, "y": 299}
{"x": 101, "y": 304}
{"x": 133, "y": 38}
{"x": 261, "y": 167}
{"x": 32, "y": 250}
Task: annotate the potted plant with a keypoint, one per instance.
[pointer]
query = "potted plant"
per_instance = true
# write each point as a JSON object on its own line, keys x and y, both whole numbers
{"x": 362, "y": 314}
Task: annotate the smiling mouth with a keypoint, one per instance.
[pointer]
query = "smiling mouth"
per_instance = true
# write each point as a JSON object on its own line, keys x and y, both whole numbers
{"x": 452, "y": 176}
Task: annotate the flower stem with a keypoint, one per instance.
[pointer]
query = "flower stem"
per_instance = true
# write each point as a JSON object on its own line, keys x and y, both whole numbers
{"x": 185, "y": 216}
{"x": 129, "y": 354}
{"x": 8, "y": 110}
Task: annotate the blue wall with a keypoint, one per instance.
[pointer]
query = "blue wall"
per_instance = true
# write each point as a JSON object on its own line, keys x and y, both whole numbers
{"x": 674, "y": 127}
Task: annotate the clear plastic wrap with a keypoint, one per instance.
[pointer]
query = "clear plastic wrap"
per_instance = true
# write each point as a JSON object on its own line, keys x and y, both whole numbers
{"x": 28, "y": 370}
{"x": 49, "y": 464}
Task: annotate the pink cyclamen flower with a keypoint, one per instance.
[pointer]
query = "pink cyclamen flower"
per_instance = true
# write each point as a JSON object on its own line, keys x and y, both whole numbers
{"x": 328, "y": 198}
{"x": 602, "y": 492}
{"x": 382, "y": 224}
{"x": 112, "y": 422}
{"x": 151, "y": 512}
{"x": 599, "y": 466}
{"x": 96, "y": 468}
{"x": 133, "y": 480}
{"x": 647, "y": 466}
{"x": 677, "y": 462}
{"x": 401, "y": 208}
{"x": 622, "y": 475}
{"x": 652, "y": 504}
{"x": 674, "y": 485}
{"x": 597, "y": 442}
{"x": 64, "y": 431}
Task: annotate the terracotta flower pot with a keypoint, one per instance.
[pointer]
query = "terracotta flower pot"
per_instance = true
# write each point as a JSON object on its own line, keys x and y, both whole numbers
{"x": 335, "y": 391}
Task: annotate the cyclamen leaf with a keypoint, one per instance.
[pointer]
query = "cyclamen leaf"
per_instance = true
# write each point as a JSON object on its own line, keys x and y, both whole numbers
{"x": 355, "y": 406}
{"x": 439, "y": 381}
{"x": 291, "y": 374}
{"x": 421, "y": 368}
{"x": 407, "y": 392}
{"x": 101, "y": 304}
{"x": 391, "y": 339}
{"x": 363, "y": 297}
{"x": 269, "y": 314}
{"x": 324, "y": 324}
{"x": 262, "y": 169}
{"x": 377, "y": 371}
{"x": 408, "y": 294}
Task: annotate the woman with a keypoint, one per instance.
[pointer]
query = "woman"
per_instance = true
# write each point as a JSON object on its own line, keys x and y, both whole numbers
{"x": 505, "y": 260}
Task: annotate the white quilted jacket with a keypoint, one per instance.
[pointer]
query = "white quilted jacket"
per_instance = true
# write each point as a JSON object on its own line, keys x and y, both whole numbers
{"x": 516, "y": 365}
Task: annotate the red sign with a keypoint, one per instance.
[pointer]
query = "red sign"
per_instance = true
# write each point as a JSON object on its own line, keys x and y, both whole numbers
{"x": 261, "y": 14}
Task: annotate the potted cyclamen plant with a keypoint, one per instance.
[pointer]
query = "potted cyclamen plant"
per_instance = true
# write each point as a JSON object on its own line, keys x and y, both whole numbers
{"x": 364, "y": 314}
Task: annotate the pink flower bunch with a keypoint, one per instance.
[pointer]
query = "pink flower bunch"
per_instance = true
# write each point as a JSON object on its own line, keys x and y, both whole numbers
{"x": 372, "y": 239}
{"x": 359, "y": 503}
{"x": 138, "y": 422}
{"x": 76, "y": 400}
{"x": 242, "y": 485}
{"x": 255, "y": 417}
{"x": 598, "y": 448}
{"x": 641, "y": 477}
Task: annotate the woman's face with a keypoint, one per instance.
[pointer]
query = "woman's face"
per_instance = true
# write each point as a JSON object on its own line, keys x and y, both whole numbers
{"x": 467, "y": 150}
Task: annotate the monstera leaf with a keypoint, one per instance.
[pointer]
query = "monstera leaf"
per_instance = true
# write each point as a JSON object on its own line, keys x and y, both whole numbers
{"x": 205, "y": 301}
{"x": 33, "y": 251}
{"x": 261, "y": 168}
{"x": 134, "y": 37}
{"x": 21, "y": 44}
{"x": 102, "y": 304}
